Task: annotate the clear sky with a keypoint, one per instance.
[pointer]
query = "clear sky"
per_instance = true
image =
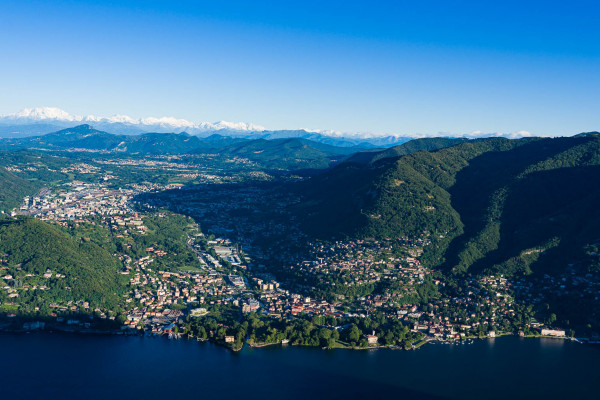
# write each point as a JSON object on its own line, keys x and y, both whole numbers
{"x": 373, "y": 66}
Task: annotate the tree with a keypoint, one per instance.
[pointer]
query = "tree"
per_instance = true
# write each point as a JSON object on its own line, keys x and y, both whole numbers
{"x": 353, "y": 334}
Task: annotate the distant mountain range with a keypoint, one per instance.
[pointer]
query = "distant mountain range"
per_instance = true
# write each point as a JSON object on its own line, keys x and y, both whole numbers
{"x": 120, "y": 123}
{"x": 40, "y": 121}
{"x": 273, "y": 153}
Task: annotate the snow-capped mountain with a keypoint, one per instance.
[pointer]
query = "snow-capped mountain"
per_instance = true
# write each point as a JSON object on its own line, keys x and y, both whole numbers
{"x": 121, "y": 123}
{"x": 41, "y": 114}
{"x": 42, "y": 120}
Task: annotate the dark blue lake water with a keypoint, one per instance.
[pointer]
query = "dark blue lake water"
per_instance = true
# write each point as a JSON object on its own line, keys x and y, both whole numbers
{"x": 98, "y": 367}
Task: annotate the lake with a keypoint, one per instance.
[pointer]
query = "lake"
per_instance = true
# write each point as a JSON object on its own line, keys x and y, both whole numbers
{"x": 61, "y": 366}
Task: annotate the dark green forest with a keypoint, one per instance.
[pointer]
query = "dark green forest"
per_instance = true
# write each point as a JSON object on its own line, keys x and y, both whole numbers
{"x": 30, "y": 248}
{"x": 494, "y": 205}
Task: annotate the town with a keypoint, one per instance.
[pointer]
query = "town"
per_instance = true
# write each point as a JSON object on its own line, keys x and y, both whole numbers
{"x": 207, "y": 245}
{"x": 336, "y": 285}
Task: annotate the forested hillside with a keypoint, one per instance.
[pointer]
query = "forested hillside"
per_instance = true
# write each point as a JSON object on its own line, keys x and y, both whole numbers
{"x": 427, "y": 144}
{"x": 287, "y": 153}
{"x": 23, "y": 173}
{"x": 495, "y": 205}
{"x": 81, "y": 136}
{"x": 160, "y": 143}
{"x": 80, "y": 269}
{"x": 13, "y": 188}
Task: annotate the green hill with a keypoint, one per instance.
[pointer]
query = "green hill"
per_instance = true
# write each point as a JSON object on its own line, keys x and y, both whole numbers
{"x": 161, "y": 143}
{"x": 24, "y": 173}
{"x": 518, "y": 204}
{"x": 593, "y": 133}
{"x": 31, "y": 247}
{"x": 389, "y": 198}
{"x": 13, "y": 188}
{"x": 491, "y": 205}
{"x": 427, "y": 144}
{"x": 286, "y": 153}
{"x": 82, "y": 136}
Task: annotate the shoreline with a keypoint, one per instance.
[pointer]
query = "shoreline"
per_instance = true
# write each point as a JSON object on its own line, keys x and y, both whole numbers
{"x": 414, "y": 346}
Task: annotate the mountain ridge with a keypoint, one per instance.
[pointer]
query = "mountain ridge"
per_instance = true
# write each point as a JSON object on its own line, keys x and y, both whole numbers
{"x": 277, "y": 153}
{"x": 33, "y": 121}
{"x": 468, "y": 199}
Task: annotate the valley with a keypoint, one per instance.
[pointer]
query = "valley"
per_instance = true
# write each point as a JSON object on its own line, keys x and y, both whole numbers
{"x": 285, "y": 241}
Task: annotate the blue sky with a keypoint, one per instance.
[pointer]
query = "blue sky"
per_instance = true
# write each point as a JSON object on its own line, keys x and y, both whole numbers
{"x": 389, "y": 67}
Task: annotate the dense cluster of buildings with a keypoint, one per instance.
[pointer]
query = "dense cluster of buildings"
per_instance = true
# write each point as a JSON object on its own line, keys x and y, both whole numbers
{"x": 77, "y": 200}
{"x": 340, "y": 279}
{"x": 358, "y": 263}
